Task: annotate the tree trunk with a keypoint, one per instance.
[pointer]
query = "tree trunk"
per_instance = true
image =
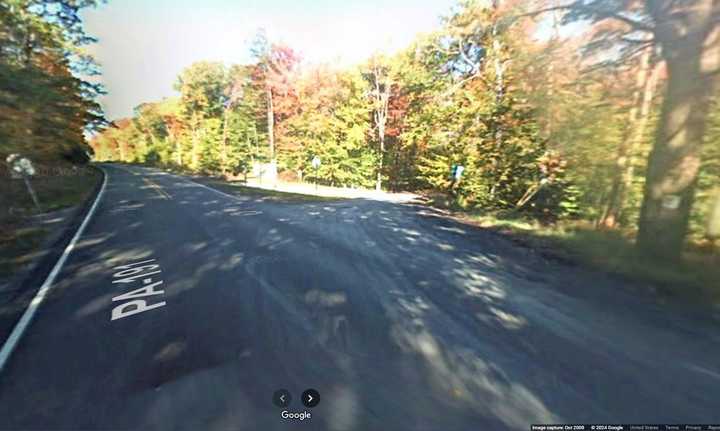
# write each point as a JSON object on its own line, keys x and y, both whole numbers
{"x": 637, "y": 124}
{"x": 176, "y": 141}
{"x": 270, "y": 122}
{"x": 378, "y": 184}
{"x": 381, "y": 95}
{"x": 499, "y": 67}
{"x": 223, "y": 149}
{"x": 690, "y": 46}
{"x": 121, "y": 150}
{"x": 713, "y": 225}
{"x": 552, "y": 81}
{"x": 499, "y": 86}
{"x": 194, "y": 160}
{"x": 179, "y": 152}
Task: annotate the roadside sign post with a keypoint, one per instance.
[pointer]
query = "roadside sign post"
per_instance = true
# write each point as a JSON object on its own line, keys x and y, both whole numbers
{"x": 316, "y": 165}
{"x": 21, "y": 167}
{"x": 456, "y": 172}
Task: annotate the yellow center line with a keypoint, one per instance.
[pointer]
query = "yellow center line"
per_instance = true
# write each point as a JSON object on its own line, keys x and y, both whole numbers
{"x": 163, "y": 194}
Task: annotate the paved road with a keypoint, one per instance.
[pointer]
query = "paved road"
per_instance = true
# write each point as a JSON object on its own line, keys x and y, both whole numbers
{"x": 400, "y": 319}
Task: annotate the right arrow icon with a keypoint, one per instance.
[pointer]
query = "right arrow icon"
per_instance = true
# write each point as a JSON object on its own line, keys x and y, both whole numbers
{"x": 310, "y": 398}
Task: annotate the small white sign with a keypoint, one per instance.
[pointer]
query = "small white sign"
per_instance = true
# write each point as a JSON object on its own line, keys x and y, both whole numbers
{"x": 20, "y": 166}
{"x": 671, "y": 202}
{"x": 316, "y": 162}
{"x": 459, "y": 171}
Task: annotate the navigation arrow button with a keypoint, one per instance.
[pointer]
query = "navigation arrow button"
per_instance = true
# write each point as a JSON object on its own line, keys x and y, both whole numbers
{"x": 310, "y": 398}
{"x": 282, "y": 398}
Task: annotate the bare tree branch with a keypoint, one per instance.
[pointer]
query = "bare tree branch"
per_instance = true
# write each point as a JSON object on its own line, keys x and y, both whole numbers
{"x": 598, "y": 12}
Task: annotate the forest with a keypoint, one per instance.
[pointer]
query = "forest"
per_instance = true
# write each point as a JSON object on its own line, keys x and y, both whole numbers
{"x": 47, "y": 97}
{"x": 613, "y": 124}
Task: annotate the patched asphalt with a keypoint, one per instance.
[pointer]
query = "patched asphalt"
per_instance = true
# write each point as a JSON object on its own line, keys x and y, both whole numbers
{"x": 399, "y": 318}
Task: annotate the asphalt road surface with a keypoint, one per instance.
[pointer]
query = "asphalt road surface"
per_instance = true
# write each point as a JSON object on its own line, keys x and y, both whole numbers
{"x": 401, "y": 320}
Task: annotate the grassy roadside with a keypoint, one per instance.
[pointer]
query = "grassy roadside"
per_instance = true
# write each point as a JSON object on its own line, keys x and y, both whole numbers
{"x": 695, "y": 280}
{"x": 21, "y": 234}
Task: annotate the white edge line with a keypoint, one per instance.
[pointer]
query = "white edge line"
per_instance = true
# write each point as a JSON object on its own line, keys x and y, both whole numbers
{"x": 214, "y": 190}
{"x": 17, "y": 332}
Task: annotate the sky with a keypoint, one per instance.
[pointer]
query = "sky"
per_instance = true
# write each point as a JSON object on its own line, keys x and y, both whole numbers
{"x": 144, "y": 44}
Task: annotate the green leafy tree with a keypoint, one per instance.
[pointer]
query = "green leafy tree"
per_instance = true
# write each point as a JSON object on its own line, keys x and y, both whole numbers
{"x": 687, "y": 35}
{"x": 332, "y": 124}
{"x": 202, "y": 88}
{"x": 44, "y": 107}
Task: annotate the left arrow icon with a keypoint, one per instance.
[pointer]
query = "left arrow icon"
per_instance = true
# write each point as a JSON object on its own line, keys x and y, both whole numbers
{"x": 282, "y": 398}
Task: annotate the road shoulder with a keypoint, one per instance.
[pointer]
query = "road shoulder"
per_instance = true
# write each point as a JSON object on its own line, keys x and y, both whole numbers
{"x": 54, "y": 231}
